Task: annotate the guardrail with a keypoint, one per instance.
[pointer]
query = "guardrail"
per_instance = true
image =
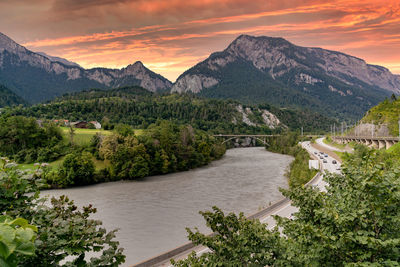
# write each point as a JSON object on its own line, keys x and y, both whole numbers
{"x": 188, "y": 246}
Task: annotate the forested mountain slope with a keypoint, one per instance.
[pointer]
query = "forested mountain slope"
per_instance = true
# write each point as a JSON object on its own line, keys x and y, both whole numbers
{"x": 138, "y": 107}
{"x": 8, "y": 98}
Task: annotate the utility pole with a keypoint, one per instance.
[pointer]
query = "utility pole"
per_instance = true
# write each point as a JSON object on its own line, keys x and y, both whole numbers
{"x": 301, "y": 130}
{"x": 399, "y": 129}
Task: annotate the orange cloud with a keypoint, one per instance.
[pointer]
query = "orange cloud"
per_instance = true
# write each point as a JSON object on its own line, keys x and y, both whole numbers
{"x": 171, "y": 36}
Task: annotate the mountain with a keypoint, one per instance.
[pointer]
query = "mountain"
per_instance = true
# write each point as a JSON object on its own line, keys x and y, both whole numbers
{"x": 59, "y": 59}
{"x": 140, "y": 108}
{"x": 36, "y": 77}
{"x": 273, "y": 70}
{"x": 8, "y": 98}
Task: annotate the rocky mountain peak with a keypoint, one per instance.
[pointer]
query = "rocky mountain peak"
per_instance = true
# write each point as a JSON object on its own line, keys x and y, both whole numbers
{"x": 8, "y": 44}
{"x": 277, "y": 57}
{"x": 138, "y": 63}
{"x": 136, "y": 67}
{"x": 54, "y": 72}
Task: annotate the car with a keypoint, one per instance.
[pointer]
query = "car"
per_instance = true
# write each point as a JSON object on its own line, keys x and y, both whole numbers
{"x": 325, "y": 161}
{"x": 315, "y": 153}
{"x": 321, "y": 157}
{"x": 326, "y": 155}
{"x": 334, "y": 162}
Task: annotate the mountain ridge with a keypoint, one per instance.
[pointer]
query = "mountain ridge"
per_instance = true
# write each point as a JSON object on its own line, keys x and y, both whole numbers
{"x": 269, "y": 69}
{"x": 42, "y": 78}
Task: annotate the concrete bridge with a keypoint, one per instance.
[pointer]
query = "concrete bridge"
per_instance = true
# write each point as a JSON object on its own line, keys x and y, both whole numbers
{"x": 370, "y": 141}
{"x": 255, "y": 137}
{"x": 260, "y": 137}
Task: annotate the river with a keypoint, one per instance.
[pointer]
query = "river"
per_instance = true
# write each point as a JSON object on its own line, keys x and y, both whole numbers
{"x": 152, "y": 213}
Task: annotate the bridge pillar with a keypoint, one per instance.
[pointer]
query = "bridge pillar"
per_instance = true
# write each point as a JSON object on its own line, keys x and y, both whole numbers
{"x": 367, "y": 142}
{"x": 389, "y": 143}
{"x": 381, "y": 144}
{"x": 375, "y": 144}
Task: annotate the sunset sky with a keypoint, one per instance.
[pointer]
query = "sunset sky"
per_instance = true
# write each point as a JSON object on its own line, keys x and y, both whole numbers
{"x": 170, "y": 36}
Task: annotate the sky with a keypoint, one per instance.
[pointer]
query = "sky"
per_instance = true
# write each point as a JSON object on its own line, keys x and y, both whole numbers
{"x": 170, "y": 36}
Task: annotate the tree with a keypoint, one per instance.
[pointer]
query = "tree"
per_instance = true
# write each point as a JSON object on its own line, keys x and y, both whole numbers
{"x": 23, "y": 140}
{"x": 354, "y": 223}
{"x": 123, "y": 129}
{"x": 77, "y": 169}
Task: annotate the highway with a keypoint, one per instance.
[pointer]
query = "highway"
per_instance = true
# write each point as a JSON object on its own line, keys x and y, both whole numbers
{"x": 285, "y": 209}
{"x": 288, "y": 210}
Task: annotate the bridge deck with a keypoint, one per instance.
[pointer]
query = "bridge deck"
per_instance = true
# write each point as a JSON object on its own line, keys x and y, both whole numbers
{"x": 382, "y": 138}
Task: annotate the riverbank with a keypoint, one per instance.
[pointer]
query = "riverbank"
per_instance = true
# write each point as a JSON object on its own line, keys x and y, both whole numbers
{"x": 298, "y": 172}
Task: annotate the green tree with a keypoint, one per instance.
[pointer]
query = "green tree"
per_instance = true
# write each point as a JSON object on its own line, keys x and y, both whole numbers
{"x": 123, "y": 129}
{"x": 77, "y": 169}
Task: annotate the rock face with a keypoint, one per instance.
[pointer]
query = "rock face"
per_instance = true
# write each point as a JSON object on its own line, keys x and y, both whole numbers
{"x": 37, "y": 77}
{"x": 370, "y": 129}
{"x": 270, "y": 69}
{"x": 266, "y": 118}
{"x": 59, "y": 59}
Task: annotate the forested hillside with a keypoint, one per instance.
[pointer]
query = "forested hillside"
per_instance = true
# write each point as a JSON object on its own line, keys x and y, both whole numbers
{"x": 139, "y": 108}
{"x": 8, "y": 98}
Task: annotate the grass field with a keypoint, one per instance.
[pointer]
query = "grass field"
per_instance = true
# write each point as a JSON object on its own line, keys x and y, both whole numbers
{"x": 83, "y": 136}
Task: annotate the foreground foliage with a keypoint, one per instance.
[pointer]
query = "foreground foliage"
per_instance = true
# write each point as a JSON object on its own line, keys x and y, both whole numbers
{"x": 354, "y": 223}
{"x": 64, "y": 233}
{"x": 16, "y": 239}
